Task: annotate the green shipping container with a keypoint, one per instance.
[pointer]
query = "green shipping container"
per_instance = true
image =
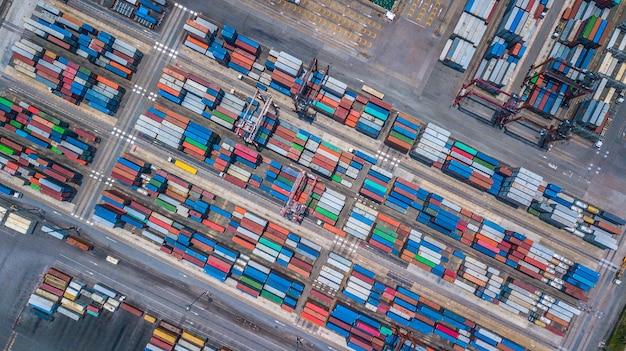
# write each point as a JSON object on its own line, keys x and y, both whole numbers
{"x": 222, "y": 116}
{"x": 297, "y": 147}
{"x": 589, "y": 26}
{"x": 285, "y": 181}
{"x": 6, "y": 102}
{"x": 35, "y": 186}
{"x": 402, "y": 137}
{"x": 335, "y": 178}
{"x": 165, "y": 205}
{"x": 326, "y": 213}
{"x": 425, "y": 261}
{"x": 56, "y": 151}
{"x": 196, "y": 144}
{"x": 251, "y": 282}
{"x": 16, "y": 124}
{"x": 275, "y": 299}
{"x": 483, "y": 163}
{"x": 387, "y": 237}
{"x": 5, "y": 150}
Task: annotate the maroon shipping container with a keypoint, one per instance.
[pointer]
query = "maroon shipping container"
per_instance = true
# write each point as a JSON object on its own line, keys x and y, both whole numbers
{"x": 234, "y": 181}
{"x": 12, "y": 145}
{"x": 69, "y": 173}
{"x": 86, "y": 135}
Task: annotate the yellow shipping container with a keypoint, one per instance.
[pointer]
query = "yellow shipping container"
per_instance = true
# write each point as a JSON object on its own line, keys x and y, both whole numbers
{"x": 592, "y": 209}
{"x": 69, "y": 296}
{"x": 588, "y": 219}
{"x": 165, "y": 336}
{"x": 194, "y": 338}
{"x": 149, "y": 318}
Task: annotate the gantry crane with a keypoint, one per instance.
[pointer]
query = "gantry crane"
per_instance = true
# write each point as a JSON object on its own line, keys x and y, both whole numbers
{"x": 306, "y": 94}
{"x": 247, "y": 126}
{"x": 402, "y": 336}
{"x": 293, "y": 209}
{"x": 505, "y": 110}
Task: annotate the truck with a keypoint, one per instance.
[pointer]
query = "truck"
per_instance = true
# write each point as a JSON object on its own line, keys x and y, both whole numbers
{"x": 620, "y": 273}
{"x": 10, "y": 192}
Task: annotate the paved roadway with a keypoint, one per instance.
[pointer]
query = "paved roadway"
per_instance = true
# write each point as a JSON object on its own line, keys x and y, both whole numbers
{"x": 147, "y": 281}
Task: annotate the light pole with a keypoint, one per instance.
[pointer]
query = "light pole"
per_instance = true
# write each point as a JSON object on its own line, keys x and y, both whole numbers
{"x": 188, "y": 307}
{"x": 298, "y": 342}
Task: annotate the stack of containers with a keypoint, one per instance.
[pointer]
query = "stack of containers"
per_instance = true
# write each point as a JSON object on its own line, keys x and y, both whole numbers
{"x": 359, "y": 285}
{"x": 282, "y": 291}
{"x": 281, "y": 180}
{"x": 165, "y": 126}
{"x": 361, "y": 221}
{"x": 26, "y": 54}
{"x": 69, "y": 81}
{"x": 223, "y": 156}
{"x": 520, "y": 187}
{"x": 43, "y": 25}
{"x": 147, "y": 15}
{"x": 388, "y": 235}
{"x": 373, "y": 117}
{"x": 201, "y": 34}
{"x": 592, "y": 113}
{"x": 128, "y": 170}
{"x": 403, "y": 132}
{"x": 325, "y": 159}
{"x": 165, "y": 336}
{"x": 547, "y": 99}
{"x": 228, "y": 111}
{"x": 330, "y": 206}
{"x": 582, "y": 277}
{"x": 220, "y": 262}
{"x": 360, "y": 331}
{"x": 40, "y": 173}
{"x": 244, "y": 54}
{"x": 431, "y": 147}
{"x": 108, "y": 215}
{"x": 375, "y": 184}
{"x": 315, "y": 313}
{"x": 332, "y": 273}
{"x": 472, "y": 166}
{"x": 49, "y": 131}
{"x": 458, "y": 52}
{"x": 46, "y": 298}
{"x": 250, "y": 228}
{"x": 285, "y": 69}
{"x": 468, "y": 32}
{"x": 593, "y": 32}
{"x": 104, "y": 50}
{"x": 330, "y": 98}
{"x": 403, "y": 194}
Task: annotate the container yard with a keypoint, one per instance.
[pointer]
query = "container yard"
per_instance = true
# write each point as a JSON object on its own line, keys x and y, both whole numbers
{"x": 316, "y": 201}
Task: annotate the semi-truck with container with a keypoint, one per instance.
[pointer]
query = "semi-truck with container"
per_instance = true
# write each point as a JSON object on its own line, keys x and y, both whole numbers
{"x": 10, "y": 192}
{"x": 620, "y": 273}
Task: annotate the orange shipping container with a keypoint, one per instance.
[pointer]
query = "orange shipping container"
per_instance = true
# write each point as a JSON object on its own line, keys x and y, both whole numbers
{"x": 107, "y": 82}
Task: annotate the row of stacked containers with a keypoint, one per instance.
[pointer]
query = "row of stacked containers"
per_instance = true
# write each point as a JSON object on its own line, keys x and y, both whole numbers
{"x": 283, "y": 73}
{"x": 148, "y": 13}
{"x": 47, "y": 131}
{"x": 67, "y": 79}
